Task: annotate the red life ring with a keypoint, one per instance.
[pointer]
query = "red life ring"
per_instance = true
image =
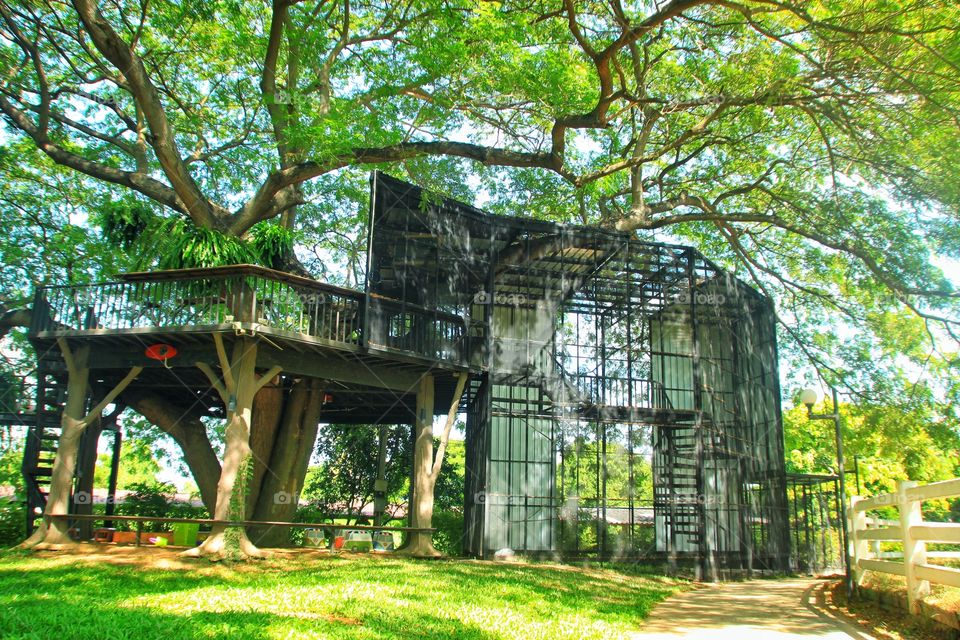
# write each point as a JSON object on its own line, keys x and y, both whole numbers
{"x": 160, "y": 351}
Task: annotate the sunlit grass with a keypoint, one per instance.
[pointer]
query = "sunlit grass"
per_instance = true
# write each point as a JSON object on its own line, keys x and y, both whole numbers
{"x": 320, "y": 597}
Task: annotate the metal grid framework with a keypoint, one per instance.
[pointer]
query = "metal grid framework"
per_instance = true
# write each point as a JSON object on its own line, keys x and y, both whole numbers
{"x": 817, "y": 542}
{"x": 625, "y": 397}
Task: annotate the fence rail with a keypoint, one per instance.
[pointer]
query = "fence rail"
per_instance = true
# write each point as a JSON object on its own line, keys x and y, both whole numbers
{"x": 200, "y": 299}
{"x": 911, "y": 531}
{"x": 139, "y": 521}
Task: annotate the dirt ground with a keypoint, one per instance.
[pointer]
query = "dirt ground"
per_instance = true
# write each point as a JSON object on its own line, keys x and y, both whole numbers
{"x": 156, "y": 557}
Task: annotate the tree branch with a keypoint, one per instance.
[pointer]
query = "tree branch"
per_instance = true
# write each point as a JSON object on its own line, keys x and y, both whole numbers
{"x": 451, "y": 418}
{"x": 163, "y": 141}
{"x": 214, "y": 381}
{"x": 263, "y": 201}
{"x": 14, "y": 318}
{"x": 112, "y": 395}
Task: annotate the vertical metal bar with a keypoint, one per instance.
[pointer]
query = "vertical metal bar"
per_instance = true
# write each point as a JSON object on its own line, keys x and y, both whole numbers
{"x": 603, "y": 474}
{"x": 114, "y": 474}
{"x": 792, "y": 497}
{"x": 822, "y": 537}
{"x": 807, "y": 528}
{"x": 596, "y": 484}
{"x": 773, "y": 380}
{"x": 706, "y": 564}
{"x": 365, "y": 319}
{"x": 841, "y": 472}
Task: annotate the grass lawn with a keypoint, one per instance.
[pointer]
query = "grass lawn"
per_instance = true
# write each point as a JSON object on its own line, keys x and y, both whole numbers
{"x": 150, "y": 593}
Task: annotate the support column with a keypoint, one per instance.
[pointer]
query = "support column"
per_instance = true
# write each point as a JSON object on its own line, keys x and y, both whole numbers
{"x": 54, "y": 532}
{"x": 914, "y": 551}
{"x": 239, "y": 386}
{"x": 380, "y": 484}
{"x": 859, "y": 550}
{"x": 86, "y": 467}
{"x": 421, "y": 510}
{"x": 110, "y": 507}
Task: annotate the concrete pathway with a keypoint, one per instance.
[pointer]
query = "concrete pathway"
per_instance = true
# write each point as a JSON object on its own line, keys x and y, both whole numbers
{"x": 752, "y": 610}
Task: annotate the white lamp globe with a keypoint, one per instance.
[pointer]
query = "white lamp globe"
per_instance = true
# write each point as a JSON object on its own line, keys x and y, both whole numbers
{"x": 809, "y": 397}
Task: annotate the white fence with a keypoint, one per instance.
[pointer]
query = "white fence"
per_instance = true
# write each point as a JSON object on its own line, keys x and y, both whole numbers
{"x": 911, "y": 531}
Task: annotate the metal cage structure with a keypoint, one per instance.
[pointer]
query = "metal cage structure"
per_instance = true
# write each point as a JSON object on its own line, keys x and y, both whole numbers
{"x": 817, "y": 539}
{"x": 624, "y": 399}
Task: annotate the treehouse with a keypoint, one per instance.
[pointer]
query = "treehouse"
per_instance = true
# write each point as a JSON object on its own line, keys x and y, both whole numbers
{"x": 622, "y": 397}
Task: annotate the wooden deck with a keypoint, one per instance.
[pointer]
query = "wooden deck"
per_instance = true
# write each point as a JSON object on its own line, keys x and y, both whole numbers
{"x": 371, "y": 349}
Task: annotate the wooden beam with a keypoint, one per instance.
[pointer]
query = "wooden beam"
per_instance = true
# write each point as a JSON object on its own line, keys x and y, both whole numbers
{"x": 935, "y": 490}
{"x": 112, "y": 395}
{"x": 937, "y": 532}
{"x": 331, "y": 367}
{"x": 228, "y": 380}
{"x": 275, "y": 370}
{"x": 451, "y": 418}
{"x": 105, "y": 356}
{"x": 214, "y": 381}
{"x": 896, "y": 568}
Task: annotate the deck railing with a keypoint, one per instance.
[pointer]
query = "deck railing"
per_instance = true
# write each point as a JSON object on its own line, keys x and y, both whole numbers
{"x": 203, "y": 299}
{"x": 911, "y": 531}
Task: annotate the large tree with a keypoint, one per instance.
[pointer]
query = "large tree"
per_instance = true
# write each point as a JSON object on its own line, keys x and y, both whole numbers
{"x": 810, "y": 145}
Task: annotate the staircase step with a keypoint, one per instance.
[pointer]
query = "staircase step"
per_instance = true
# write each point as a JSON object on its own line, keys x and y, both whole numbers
{"x": 42, "y": 471}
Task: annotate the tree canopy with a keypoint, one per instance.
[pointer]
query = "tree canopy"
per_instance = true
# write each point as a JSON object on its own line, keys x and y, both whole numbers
{"x": 810, "y": 147}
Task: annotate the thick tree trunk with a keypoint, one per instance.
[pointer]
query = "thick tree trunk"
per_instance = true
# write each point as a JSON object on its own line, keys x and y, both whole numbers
{"x": 54, "y": 532}
{"x": 233, "y": 487}
{"x": 281, "y": 438}
{"x": 420, "y": 544}
{"x": 426, "y": 466}
{"x": 280, "y": 490}
{"x": 284, "y": 430}
{"x": 268, "y": 408}
{"x": 189, "y": 432}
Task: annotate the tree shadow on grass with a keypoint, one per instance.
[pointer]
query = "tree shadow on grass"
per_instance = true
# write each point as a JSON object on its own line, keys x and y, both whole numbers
{"x": 421, "y": 599}
{"x": 628, "y": 598}
{"x": 90, "y": 601}
{"x": 44, "y": 618}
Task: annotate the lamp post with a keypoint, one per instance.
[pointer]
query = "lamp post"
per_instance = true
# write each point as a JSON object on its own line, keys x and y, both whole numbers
{"x": 809, "y": 397}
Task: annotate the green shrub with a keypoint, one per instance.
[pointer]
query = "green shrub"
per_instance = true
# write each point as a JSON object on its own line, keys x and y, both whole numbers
{"x": 148, "y": 500}
{"x": 13, "y": 517}
{"x": 448, "y": 537}
{"x": 179, "y": 509}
